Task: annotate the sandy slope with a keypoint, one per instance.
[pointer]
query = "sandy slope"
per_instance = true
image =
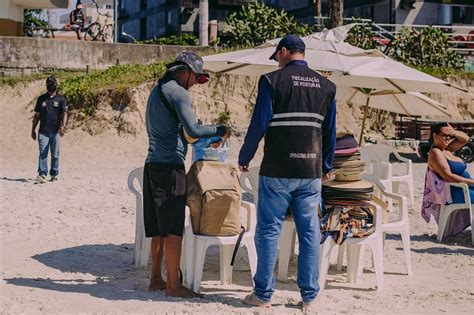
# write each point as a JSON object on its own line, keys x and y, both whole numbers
{"x": 66, "y": 246}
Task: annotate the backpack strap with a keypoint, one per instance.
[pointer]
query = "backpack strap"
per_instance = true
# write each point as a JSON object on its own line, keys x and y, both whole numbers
{"x": 237, "y": 244}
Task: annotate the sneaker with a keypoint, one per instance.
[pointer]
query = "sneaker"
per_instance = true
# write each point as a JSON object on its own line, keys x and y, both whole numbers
{"x": 54, "y": 178}
{"x": 308, "y": 307}
{"x": 40, "y": 179}
{"x": 253, "y": 300}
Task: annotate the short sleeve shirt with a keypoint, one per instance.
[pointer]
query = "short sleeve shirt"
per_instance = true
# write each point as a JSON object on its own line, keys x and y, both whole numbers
{"x": 51, "y": 110}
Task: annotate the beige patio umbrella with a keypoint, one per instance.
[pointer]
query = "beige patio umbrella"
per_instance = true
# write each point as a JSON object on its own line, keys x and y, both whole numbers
{"x": 409, "y": 103}
{"x": 349, "y": 65}
{"x": 389, "y": 82}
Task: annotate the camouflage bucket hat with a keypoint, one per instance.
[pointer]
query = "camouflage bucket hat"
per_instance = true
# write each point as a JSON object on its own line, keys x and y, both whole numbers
{"x": 194, "y": 62}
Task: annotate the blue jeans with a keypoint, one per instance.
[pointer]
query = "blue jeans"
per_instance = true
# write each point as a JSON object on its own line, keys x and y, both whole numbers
{"x": 48, "y": 142}
{"x": 275, "y": 195}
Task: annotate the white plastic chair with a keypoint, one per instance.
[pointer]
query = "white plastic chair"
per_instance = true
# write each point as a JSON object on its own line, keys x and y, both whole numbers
{"x": 354, "y": 246}
{"x": 141, "y": 250}
{"x": 447, "y": 212}
{"x": 196, "y": 247}
{"x": 288, "y": 230}
{"x": 376, "y": 154}
{"x": 401, "y": 225}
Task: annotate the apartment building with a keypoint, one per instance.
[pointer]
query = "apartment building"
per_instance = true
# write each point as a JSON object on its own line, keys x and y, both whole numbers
{"x": 12, "y": 12}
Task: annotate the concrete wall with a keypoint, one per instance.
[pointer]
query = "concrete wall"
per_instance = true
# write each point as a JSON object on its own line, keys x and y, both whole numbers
{"x": 35, "y": 54}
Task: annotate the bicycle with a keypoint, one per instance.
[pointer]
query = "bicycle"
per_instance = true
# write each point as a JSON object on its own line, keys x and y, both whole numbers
{"x": 96, "y": 30}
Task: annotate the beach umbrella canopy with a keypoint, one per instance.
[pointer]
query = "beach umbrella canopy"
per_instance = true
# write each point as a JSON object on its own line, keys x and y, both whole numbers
{"x": 349, "y": 65}
{"x": 374, "y": 79}
{"x": 409, "y": 103}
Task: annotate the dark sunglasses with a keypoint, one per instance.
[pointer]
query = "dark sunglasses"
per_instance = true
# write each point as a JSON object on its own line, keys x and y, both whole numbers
{"x": 446, "y": 136}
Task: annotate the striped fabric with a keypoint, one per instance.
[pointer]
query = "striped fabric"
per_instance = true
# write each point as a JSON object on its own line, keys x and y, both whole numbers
{"x": 288, "y": 119}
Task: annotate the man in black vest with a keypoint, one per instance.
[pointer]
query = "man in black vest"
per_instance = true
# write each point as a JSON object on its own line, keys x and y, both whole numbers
{"x": 296, "y": 112}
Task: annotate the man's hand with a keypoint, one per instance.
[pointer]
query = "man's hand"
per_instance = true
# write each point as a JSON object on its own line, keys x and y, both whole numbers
{"x": 33, "y": 135}
{"x": 244, "y": 168}
{"x": 62, "y": 131}
{"x": 228, "y": 133}
{"x": 328, "y": 176}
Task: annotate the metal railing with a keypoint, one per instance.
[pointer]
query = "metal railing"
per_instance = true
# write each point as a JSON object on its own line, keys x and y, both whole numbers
{"x": 461, "y": 37}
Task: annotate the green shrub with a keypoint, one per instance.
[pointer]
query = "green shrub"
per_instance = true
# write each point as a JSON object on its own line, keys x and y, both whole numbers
{"x": 59, "y": 74}
{"x": 428, "y": 48}
{"x": 82, "y": 91}
{"x": 224, "y": 118}
{"x": 361, "y": 35}
{"x": 256, "y": 23}
{"x": 31, "y": 20}
{"x": 181, "y": 40}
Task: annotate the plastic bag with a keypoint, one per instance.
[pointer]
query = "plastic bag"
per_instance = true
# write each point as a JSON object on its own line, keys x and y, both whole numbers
{"x": 203, "y": 151}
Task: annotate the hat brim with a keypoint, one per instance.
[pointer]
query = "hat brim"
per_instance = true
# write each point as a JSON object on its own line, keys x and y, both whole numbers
{"x": 203, "y": 76}
{"x": 273, "y": 56}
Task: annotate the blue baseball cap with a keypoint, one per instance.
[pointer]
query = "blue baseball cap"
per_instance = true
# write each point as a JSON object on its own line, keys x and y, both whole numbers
{"x": 290, "y": 41}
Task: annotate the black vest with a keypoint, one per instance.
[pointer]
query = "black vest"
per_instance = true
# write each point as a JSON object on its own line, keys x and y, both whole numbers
{"x": 293, "y": 140}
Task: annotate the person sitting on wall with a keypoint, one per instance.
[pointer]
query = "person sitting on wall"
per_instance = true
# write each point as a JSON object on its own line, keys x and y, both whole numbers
{"x": 77, "y": 20}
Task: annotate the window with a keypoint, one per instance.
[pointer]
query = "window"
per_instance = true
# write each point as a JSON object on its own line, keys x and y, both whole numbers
{"x": 463, "y": 15}
{"x": 143, "y": 28}
{"x": 143, "y": 4}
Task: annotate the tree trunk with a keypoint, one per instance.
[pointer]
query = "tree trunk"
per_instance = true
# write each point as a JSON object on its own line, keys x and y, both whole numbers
{"x": 336, "y": 10}
{"x": 203, "y": 23}
{"x": 318, "y": 21}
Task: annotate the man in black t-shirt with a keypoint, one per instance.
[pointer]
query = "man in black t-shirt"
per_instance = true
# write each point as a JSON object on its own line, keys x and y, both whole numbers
{"x": 51, "y": 113}
{"x": 77, "y": 20}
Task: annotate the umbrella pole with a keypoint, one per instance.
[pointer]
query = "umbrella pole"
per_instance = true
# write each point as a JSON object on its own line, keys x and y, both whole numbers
{"x": 366, "y": 112}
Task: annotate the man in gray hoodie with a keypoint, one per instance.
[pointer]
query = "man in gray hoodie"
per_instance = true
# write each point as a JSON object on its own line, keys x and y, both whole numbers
{"x": 168, "y": 116}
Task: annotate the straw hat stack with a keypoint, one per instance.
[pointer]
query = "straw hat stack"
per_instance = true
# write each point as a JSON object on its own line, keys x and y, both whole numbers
{"x": 347, "y": 189}
{"x": 355, "y": 193}
{"x": 347, "y": 162}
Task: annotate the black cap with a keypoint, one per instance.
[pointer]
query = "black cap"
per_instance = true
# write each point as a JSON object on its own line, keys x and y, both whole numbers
{"x": 290, "y": 41}
{"x": 51, "y": 81}
{"x": 78, "y": 2}
{"x": 193, "y": 61}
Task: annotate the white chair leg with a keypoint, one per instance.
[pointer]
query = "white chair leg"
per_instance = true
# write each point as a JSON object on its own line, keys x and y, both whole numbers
{"x": 353, "y": 252}
{"x": 472, "y": 224}
{"x": 182, "y": 260}
{"x": 225, "y": 253}
{"x": 189, "y": 247}
{"x": 200, "y": 255}
{"x": 252, "y": 253}
{"x": 141, "y": 252}
{"x": 395, "y": 187}
{"x": 377, "y": 253}
{"x": 411, "y": 190}
{"x": 443, "y": 221}
{"x": 405, "y": 234}
{"x": 325, "y": 250}
{"x": 136, "y": 251}
{"x": 340, "y": 256}
{"x": 361, "y": 263}
{"x": 293, "y": 244}
{"x": 284, "y": 252}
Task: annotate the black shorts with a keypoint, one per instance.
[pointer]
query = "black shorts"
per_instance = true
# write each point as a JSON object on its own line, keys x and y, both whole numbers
{"x": 164, "y": 199}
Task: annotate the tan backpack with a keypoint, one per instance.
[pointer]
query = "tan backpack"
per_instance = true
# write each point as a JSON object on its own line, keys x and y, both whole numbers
{"x": 214, "y": 198}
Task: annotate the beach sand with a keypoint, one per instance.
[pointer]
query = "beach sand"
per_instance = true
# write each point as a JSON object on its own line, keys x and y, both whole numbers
{"x": 66, "y": 246}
